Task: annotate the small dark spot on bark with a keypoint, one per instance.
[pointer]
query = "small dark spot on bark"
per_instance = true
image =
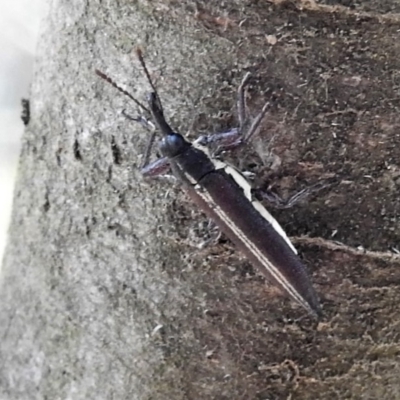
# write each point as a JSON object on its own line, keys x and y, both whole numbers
{"x": 213, "y": 314}
{"x": 117, "y": 228}
{"x": 114, "y": 227}
{"x": 109, "y": 174}
{"x": 129, "y": 289}
{"x": 58, "y": 156}
{"x": 116, "y": 153}
{"x": 246, "y": 270}
{"x": 122, "y": 200}
{"x": 26, "y": 112}
{"x": 87, "y": 226}
{"x": 77, "y": 152}
{"x": 46, "y": 205}
{"x": 89, "y": 190}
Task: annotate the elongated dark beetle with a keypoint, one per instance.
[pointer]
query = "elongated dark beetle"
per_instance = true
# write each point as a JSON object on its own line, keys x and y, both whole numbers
{"x": 225, "y": 195}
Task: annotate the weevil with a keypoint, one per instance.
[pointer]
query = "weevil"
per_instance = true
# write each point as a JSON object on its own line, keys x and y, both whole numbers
{"x": 224, "y": 194}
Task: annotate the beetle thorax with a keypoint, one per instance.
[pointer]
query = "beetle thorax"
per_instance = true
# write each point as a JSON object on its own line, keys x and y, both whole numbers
{"x": 173, "y": 145}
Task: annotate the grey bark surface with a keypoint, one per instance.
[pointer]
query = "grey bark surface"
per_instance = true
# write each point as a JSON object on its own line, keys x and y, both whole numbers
{"x": 105, "y": 292}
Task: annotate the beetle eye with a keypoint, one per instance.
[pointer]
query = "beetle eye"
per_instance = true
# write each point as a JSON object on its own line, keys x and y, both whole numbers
{"x": 172, "y": 145}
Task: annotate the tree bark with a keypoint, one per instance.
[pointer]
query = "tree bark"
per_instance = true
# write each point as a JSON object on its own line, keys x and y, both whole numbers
{"x": 106, "y": 291}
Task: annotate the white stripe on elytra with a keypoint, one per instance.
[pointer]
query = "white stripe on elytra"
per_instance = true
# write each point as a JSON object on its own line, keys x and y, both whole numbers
{"x": 246, "y": 187}
{"x": 276, "y": 274}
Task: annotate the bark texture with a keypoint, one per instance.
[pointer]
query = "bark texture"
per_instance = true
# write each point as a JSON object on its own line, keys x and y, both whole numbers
{"x": 105, "y": 292}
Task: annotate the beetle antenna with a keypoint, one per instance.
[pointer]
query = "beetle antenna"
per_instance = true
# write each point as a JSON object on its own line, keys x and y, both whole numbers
{"x": 139, "y": 55}
{"x": 154, "y": 100}
{"x": 119, "y": 88}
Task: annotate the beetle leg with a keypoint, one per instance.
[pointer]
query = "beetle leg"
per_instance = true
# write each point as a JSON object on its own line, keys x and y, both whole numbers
{"x": 235, "y": 137}
{"x": 255, "y": 125}
{"x": 278, "y": 202}
{"x": 241, "y": 102}
{"x": 243, "y": 113}
{"x": 156, "y": 168}
{"x": 150, "y": 127}
{"x": 147, "y": 124}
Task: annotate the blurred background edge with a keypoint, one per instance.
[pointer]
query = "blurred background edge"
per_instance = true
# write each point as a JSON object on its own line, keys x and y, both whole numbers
{"x": 19, "y": 31}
